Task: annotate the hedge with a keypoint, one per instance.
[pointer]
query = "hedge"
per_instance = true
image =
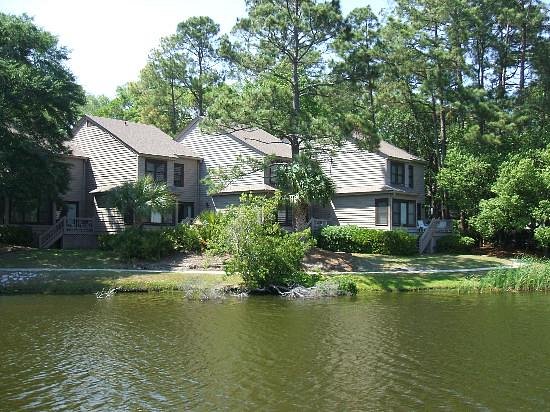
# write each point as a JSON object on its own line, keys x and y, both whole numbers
{"x": 16, "y": 235}
{"x": 354, "y": 239}
{"x": 455, "y": 243}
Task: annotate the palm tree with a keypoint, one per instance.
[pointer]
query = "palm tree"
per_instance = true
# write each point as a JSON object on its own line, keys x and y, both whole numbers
{"x": 302, "y": 183}
{"x": 138, "y": 199}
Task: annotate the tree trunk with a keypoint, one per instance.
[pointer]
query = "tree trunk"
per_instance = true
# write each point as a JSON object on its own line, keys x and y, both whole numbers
{"x": 300, "y": 215}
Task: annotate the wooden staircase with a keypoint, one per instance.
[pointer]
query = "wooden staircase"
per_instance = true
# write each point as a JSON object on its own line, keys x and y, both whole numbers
{"x": 436, "y": 229}
{"x": 53, "y": 234}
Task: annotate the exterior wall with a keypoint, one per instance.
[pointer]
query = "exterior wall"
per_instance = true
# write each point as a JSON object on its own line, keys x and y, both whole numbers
{"x": 223, "y": 202}
{"x": 189, "y": 192}
{"x": 219, "y": 151}
{"x": 358, "y": 210}
{"x": 77, "y": 185}
{"x": 110, "y": 163}
{"x": 351, "y": 167}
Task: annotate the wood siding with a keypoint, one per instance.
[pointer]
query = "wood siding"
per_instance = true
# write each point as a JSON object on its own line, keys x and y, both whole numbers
{"x": 110, "y": 163}
{"x": 188, "y": 193}
{"x": 219, "y": 151}
{"x": 77, "y": 185}
{"x": 351, "y": 167}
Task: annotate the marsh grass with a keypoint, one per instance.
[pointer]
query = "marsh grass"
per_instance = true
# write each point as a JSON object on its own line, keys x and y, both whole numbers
{"x": 532, "y": 276}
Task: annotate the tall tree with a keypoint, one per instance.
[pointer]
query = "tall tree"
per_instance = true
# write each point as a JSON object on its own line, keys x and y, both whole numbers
{"x": 39, "y": 103}
{"x": 197, "y": 39}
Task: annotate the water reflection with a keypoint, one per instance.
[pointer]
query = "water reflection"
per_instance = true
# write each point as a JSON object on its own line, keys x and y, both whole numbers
{"x": 384, "y": 351}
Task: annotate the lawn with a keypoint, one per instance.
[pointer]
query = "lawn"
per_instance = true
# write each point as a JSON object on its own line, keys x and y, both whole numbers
{"x": 325, "y": 261}
{"x": 377, "y": 263}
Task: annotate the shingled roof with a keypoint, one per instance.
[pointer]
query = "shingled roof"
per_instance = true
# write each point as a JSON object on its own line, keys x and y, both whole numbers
{"x": 264, "y": 142}
{"x": 143, "y": 138}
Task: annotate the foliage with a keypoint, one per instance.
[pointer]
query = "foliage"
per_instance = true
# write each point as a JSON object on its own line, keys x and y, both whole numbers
{"x": 136, "y": 243}
{"x": 140, "y": 198}
{"x": 521, "y": 191}
{"x": 455, "y": 243}
{"x": 465, "y": 180}
{"x": 354, "y": 239}
{"x": 531, "y": 276}
{"x": 208, "y": 224}
{"x": 39, "y": 102}
{"x": 184, "y": 238}
{"x": 260, "y": 251}
{"x": 16, "y": 235}
{"x": 542, "y": 236}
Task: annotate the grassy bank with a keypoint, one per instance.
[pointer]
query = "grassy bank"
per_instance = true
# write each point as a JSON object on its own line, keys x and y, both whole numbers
{"x": 86, "y": 282}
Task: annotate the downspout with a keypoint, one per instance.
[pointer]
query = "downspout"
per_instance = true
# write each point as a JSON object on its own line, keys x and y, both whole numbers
{"x": 390, "y": 220}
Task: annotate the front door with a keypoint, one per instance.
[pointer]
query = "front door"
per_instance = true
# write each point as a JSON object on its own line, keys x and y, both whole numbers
{"x": 71, "y": 212}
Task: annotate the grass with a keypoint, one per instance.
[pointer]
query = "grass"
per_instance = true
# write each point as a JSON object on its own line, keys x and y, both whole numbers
{"x": 73, "y": 283}
{"x": 365, "y": 263}
{"x": 533, "y": 276}
{"x": 62, "y": 258}
{"x": 67, "y": 259}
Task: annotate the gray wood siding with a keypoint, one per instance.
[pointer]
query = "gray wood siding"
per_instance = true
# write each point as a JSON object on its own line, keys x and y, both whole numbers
{"x": 189, "y": 191}
{"x": 351, "y": 167}
{"x": 111, "y": 162}
{"x": 77, "y": 184}
{"x": 223, "y": 202}
{"x": 219, "y": 151}
{"x": 357, "y": 210}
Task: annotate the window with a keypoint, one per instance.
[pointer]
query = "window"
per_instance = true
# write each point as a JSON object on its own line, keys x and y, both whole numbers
{"x": 411, "y": 176}
{"x": 381, "y": 212}
{"x": 156, "y": 169}
{"x": 158, "y": 218}
{"x": 178, "y": 174}
{"x": 397, "y": 172}
{"x": 284, "y": 215}
{"x": 404, "y": 213}
{"x": 272, "y": 173}
{"x": 186, "y": 210}
{"x": 28, "y": 212}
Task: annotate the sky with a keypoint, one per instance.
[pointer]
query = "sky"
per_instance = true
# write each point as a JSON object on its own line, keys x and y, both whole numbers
{"x": 109, "y": 40}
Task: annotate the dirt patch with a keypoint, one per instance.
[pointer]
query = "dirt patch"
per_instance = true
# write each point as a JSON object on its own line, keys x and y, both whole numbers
{"x": 186, "y": 261}
{"x": 12, "y": 248}
{"x": 324, "y": 260}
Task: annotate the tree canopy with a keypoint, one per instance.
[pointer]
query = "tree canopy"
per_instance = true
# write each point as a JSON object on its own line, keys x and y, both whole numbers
{"x": 39, "y": 103}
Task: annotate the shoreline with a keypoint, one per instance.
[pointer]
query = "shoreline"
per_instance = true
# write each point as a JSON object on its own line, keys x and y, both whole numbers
{"x": 89, "y": 281}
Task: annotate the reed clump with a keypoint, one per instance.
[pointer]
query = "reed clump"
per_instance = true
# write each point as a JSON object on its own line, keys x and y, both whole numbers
{"x": 531, "y": 276}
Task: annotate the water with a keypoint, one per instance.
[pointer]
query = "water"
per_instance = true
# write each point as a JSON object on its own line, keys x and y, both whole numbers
{"x": 379, "y": 352}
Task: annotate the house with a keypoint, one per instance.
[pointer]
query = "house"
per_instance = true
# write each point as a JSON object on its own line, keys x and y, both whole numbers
{"x": 104, "y": 154}
{"x": 382, "y": 189}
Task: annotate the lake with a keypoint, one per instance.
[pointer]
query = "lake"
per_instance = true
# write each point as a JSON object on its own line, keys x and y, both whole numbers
{"x": 375, "y": 352}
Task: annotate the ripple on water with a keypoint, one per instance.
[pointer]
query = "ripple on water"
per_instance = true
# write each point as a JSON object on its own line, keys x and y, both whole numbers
{"x": 386, "y": 351}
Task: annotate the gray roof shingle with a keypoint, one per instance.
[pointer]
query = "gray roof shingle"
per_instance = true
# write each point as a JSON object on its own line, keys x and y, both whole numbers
{"x": 143, "y": 138}
{"x": 264, "y": 142}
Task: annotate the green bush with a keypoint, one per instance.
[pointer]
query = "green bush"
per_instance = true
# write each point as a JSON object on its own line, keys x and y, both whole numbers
{"x": 354, "y": 239}
{"x": 136, "y": 243}
{"x": 106, "y": 241}
{"x": 260, "y": 251}
{"x": 455, "y": 243}
{"x": 542, "y": 236}
{"x": 396, "y": 242}
{"x": 184, "y": 238}
{"x": 16, "y": 235}
{"x": 208, "y": 225}
{"x": 346, "y": 286}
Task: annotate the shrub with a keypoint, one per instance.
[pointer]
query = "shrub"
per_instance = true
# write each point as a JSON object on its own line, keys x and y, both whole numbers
{"x": 106, "y": 241}
{"x": 261, "y": 252}
{"x": 355, "y": 239}
{"x": 135, "y": 243}
{"x": 184, "y": 238}
{"x": 346, "y": 286}
{"x": 455, "y": 243}
{"x": 16, "y": 235}
{"x": 542, "y": 236}
{"x": 208, "y": 225}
